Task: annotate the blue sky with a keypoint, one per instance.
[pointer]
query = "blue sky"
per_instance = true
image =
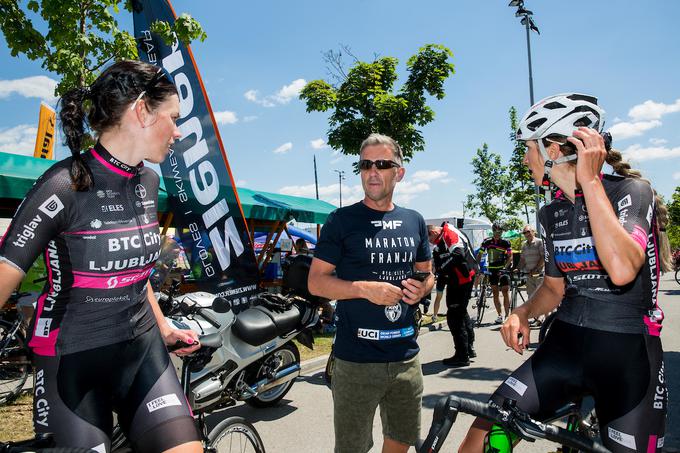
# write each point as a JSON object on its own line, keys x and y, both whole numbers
{"x": 259, "y": 54}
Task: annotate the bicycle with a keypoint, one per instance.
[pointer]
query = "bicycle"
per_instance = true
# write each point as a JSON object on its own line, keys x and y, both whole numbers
{"x": 480, "y": 304}
{"x": 517, "y": 281}
{"x": 15, "y": 363}
{"x": 512, "y": 424}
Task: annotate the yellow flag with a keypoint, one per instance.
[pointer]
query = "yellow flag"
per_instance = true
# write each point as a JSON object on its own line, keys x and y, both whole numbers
{"x": 44, "y": 141}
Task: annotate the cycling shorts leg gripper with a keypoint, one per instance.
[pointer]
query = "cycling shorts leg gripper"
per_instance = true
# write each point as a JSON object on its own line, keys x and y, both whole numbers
{"x": 153, "y": 411}
{"x": 631, "y": 398}
{"x": 83, "y": 425}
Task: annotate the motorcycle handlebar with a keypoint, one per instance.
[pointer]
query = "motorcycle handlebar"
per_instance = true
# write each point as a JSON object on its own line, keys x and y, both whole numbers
{"x": 205, "y": 314}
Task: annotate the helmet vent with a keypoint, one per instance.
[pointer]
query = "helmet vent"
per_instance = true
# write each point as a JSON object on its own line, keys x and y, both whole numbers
{"x": 582, "y": 97}
{"x": 536, "y": 124}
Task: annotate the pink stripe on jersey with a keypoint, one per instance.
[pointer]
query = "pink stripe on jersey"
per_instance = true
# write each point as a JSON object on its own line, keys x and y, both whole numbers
{"x": 44, "y": 345}
{"x": 640, "y": 236}
{"x": 651, "y": 444}
{"x": 109, "y": 166}
{"x": 105, "y": 274}
{"x": 653, "y": 327}
{"x": 116, "y": 281}
{"x": 118, "y": 230}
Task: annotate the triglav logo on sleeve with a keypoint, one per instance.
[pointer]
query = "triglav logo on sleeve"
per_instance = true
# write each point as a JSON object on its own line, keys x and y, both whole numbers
{"x": 393, "y": 312}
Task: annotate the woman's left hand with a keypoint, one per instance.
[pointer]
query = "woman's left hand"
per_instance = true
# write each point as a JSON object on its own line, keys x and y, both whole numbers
{"x": 172, "y": 336}
{"x": 591, "y": 154}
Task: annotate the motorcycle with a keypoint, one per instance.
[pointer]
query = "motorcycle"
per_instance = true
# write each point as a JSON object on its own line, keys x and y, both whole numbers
{"x": 249, "y": 356}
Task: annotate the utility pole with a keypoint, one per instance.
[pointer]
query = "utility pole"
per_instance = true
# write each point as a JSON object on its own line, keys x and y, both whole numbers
{"x": 316, "y": 179}
{"x": 341, "y": 176}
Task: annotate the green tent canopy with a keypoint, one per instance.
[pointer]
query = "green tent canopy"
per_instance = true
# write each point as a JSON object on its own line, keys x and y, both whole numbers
{"x": 18, "y": 173}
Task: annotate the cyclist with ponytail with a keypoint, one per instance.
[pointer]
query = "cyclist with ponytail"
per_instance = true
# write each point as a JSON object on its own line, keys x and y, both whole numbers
{"x": 98, "y": 336}
{"x": 605, "y": 247}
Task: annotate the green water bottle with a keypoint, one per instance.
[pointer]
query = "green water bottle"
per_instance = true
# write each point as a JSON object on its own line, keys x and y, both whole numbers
{"x": 498, "y": 440}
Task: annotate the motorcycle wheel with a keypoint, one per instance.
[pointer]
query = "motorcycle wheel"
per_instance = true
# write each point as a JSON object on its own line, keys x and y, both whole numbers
{"x": 289, "y": 355}
{"x": 235, "y": 434}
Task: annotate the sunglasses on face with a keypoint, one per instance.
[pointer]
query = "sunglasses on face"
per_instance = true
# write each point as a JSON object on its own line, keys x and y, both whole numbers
{"x": 526, "y": 232}
{"x": 380, "y": 164}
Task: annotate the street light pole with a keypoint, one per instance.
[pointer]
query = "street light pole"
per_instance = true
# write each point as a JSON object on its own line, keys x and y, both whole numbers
{"x": 529, "y": 25}
{"x": 341, "y": 176}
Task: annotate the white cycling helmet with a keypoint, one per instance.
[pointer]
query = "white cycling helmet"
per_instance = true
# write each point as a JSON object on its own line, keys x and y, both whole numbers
{"x": 560, "y": 114}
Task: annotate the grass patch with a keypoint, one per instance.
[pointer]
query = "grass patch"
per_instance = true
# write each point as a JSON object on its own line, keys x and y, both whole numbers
{"x": 17, "y": 419}
{"x": 323, "y": 343}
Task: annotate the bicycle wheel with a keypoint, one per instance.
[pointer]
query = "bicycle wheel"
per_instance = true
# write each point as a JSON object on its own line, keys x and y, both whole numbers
{"x": 14, "y": 363}
{"x": 481, "y": 304}
{"x": 677, "y": 276}
{"x": 330, "y": 368}
{"x": 235, "y": 434}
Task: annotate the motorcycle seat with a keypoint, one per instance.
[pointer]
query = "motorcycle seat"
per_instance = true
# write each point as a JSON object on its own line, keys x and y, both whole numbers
{"x": 258, "y": 325}
{"x": 213, "y": 340}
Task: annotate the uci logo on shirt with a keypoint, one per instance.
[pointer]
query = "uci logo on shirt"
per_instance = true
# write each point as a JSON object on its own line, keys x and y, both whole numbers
{"x": 387, "y": 224}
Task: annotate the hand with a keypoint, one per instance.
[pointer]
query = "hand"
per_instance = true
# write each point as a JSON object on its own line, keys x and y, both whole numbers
{"x": 515, "y": 331}
{"x": 172, "y": 336}
{"x": 413, "y": 290}
{"x": 591, "y": 154}
{"x": 382, "y": 293}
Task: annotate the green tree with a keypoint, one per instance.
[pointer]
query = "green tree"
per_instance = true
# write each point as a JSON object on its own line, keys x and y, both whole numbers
{"x": 673, "y": 228}
{"x": 365, "y": 100}
{"x": 81, "y": 37}
{"x": 491, "y": 184}
{"x": 521, "y": 195}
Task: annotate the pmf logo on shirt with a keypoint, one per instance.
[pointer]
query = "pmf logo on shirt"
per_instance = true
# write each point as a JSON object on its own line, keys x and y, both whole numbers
{"x": 387, "y": 224}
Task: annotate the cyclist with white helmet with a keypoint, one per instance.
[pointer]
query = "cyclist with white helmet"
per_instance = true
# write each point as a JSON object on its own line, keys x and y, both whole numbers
{"x": 605, "y": 248}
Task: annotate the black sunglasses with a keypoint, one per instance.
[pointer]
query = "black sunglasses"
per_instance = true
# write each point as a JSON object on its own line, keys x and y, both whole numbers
{"x": 380, "y": 164}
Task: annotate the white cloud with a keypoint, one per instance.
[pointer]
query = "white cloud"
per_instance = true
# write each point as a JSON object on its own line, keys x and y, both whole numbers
{"x": 625, "y": 130}
{"x": 330, "y": 193}
{"x": 336, "y": 160}
{"x": 18, "y": 139}
{"x": 241, "y": 183}
{"x": 408, "y": 190}
{"x": 456, "y": 214}
{"x": 248, "y": 119}
{"x": 284, "y": 148}
{"x": 283, "y": 96}
{"x": 616, "y": 120}
{"x": 658, "y": 141}
{"x": 319, "y": 143}
{"x": 638, "y": 153}
{"x": 225, "y": 117}
{"x": 676, "y": 176}
{"x": 41, "y": 87}
{"x": 428, "y": 175}
{"x": 650, "y": 110}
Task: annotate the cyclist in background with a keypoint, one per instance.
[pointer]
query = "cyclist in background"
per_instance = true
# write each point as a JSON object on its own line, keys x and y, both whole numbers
{"x": 499, "y": 257}
{"x": 98, "y": 335}
{"x": 605, "y": 247}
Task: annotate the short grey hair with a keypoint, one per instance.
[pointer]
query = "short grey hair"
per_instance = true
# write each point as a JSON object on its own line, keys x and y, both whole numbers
{"x": 380, "y": 139}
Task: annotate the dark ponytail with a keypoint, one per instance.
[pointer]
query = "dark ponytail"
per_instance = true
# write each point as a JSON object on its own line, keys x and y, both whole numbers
{"x": 72, "y": 118}
{"x": 101, "y": 107}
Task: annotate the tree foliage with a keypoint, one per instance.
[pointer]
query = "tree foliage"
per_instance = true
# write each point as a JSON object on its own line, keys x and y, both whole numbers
{"x": 491, "y": 182}
{"x": 673, "y": 228}
{"x": 81, "y": 35}
{"x": 365, "y": 101}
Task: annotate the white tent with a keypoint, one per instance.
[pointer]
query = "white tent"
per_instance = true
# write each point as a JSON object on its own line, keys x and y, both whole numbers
{"x": 475, "y": 229}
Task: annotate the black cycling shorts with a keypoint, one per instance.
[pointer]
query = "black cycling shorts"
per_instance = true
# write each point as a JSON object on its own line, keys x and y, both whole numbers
{"x": 441, "y": 283}
{"x": 624, "y": 374}
{"x": 76, "y": 395}
{"x": 496, "y": 278}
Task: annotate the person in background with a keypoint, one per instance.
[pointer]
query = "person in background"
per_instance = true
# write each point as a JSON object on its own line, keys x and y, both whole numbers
{"x": 531, "y": 260}
{"x": 374, "y": 247}
{"x": 499, "y": 258}
{"x": 457, "y": 267}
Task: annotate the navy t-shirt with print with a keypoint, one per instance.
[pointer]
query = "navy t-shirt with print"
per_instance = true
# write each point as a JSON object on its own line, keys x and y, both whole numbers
{"x": 365, "y": 244}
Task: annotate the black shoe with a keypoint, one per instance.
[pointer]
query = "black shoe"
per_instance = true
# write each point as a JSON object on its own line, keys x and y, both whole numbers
{"x": 456, "y": 362}
{"x": 471, "y": 353}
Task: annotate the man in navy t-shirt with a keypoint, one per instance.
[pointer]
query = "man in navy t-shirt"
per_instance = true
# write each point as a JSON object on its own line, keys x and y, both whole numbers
{"x": 374, "y": 246}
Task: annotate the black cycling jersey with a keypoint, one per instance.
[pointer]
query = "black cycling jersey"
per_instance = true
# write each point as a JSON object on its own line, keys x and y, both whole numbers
{"x": 591, "y": 299}
{"x": 497, "y": 252}
{"x": 100, "y": 246}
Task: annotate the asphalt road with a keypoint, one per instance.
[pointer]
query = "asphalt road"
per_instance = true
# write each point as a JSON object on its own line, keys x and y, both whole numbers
{"x": 304, "y": 420}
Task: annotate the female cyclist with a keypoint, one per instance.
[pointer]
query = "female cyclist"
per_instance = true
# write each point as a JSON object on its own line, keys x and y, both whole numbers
{"x": 605, "y": 248}
{"x": 98, "y": 336}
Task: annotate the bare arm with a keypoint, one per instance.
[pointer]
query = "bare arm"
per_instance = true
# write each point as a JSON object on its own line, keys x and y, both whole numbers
{"x": 546, "y": 298}
{"x": 170, "y": 335}
{"x": 10, "y": 277}
{"x": 322, "y": 283}
{"x": 621, "y": 256}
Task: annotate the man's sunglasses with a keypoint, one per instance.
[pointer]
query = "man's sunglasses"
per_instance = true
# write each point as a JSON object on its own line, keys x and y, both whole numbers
{"x": 380, "y": 164}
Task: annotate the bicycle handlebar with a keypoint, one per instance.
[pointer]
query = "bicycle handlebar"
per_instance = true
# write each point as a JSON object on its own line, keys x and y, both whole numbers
{"x": 447, "y": 408}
